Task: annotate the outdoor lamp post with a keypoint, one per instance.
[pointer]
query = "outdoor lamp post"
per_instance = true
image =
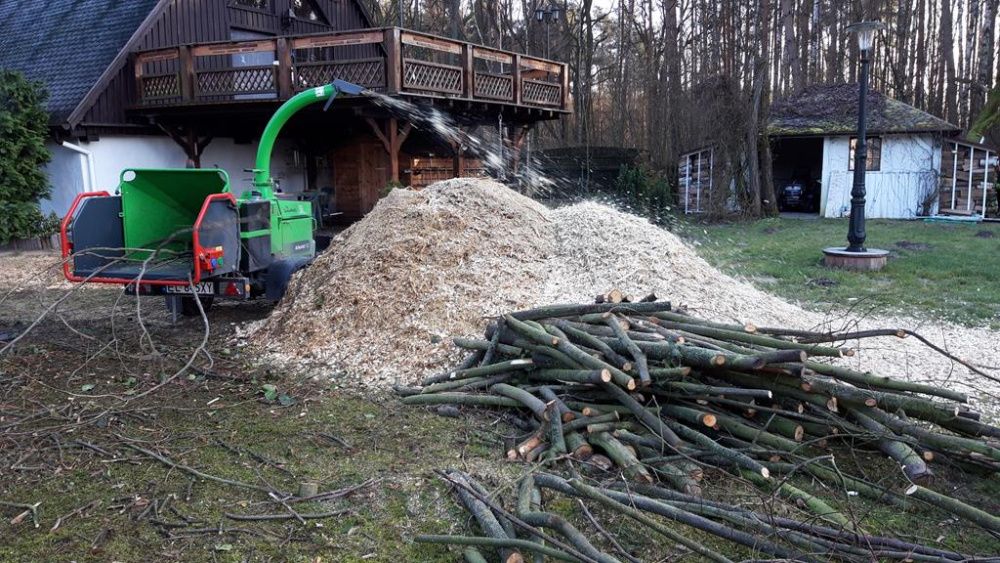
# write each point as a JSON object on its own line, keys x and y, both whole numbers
{"x": 547, "y": 14}
{"x": 856, "y": 256}
{"x": 865, "y": 32}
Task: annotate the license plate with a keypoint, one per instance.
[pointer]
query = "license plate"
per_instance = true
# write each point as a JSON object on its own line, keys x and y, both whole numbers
{"x": 203, "y": 288}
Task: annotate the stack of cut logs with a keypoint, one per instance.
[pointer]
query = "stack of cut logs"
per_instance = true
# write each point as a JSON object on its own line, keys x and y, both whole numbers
{"x": 655, "y": 396}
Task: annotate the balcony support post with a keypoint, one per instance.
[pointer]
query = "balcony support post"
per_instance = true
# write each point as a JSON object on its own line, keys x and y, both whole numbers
{"x": 392, "y": 138}
{"x": 186, "y": 72}
{"x": 515, "y": 72}
{"x": 468, "y": 72}
{"x": 393, "y": 61}
{"x": 283, "y": 58}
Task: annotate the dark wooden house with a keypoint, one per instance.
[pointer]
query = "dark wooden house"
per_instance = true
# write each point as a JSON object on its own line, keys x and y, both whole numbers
{"x": 158, "y": 83}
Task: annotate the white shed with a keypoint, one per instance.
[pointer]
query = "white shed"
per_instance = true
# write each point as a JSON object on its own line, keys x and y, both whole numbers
{"x": 812, "y": 139}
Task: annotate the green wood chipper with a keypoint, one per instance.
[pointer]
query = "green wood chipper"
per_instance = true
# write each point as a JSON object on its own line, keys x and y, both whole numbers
{"x": 183, "y": 233}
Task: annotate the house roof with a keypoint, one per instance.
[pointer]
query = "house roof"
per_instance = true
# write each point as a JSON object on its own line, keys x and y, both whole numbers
{"x": 832, "y": 109}
{"x": 67, "y": 44}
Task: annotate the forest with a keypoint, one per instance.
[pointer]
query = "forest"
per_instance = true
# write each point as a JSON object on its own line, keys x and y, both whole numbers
{"x": 665, "y": 76}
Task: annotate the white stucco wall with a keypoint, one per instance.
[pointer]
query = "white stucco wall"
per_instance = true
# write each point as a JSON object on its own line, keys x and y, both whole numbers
{"x": 908, "y": 176}
{"x": 111, "y": 154}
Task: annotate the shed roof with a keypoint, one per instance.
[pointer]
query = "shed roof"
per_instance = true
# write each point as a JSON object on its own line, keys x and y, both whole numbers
{"x": 832, "y": 109}
{"x": 67, "y": 44}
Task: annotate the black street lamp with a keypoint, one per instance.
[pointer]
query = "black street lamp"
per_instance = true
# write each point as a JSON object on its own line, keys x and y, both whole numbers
{"x": 856, "y": 256}
{"x": 547, "y": 13}
{"x": 856, "y": 234}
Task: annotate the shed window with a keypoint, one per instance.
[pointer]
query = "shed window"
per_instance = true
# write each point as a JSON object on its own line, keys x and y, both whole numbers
{"x": 874, "y": 162}
{"x": 262, "y": 5}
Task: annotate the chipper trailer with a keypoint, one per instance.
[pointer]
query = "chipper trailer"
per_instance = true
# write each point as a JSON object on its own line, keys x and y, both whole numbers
{"x": 184, "y": 234}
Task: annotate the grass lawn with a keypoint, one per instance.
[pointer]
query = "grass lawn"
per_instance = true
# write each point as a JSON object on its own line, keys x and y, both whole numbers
{"x": 947, "y": 271}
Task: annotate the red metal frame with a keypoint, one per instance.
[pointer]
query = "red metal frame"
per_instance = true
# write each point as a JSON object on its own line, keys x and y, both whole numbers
{"x": 196, "y": 243}
{"x": 199, "y": 250}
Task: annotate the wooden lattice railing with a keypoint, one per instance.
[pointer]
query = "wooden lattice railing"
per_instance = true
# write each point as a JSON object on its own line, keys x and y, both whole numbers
{"x": 394, "y": 61}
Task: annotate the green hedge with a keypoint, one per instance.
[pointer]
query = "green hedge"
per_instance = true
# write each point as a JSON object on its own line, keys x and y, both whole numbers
{"x": 647, "y": 191}
{"x": 23, "y": 132}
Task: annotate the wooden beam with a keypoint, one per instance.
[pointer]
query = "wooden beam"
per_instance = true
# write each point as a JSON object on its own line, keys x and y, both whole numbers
{"x": 515, "y": 72}
{"x": 492, "y": 55}
{"x": 468, "y": 72}
{"x": 403, "y": 134}
{"x": 392, "y": 138}
{"x": 393, "y": 151}
{"x": 393, "y": 61}
{"x": 233, "y": 48}
{"x": 137, "y": 70}
{"x": 433, "y": 43}
{"x": 283, "y": 54}
{"x": 185, "y": 73}
{"x": 337, "y": 40}
{"x": 458, "y": 160}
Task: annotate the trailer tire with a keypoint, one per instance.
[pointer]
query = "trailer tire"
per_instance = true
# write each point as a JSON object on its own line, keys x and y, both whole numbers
{"x": 190, "y": 309}
{"x": 278, "y": 275}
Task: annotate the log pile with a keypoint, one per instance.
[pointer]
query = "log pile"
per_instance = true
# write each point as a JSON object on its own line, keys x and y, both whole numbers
{"x": 657, "y": 396}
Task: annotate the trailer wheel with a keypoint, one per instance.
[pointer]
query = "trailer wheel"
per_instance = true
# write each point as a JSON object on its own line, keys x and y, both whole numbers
{"x": 190, "y": 309}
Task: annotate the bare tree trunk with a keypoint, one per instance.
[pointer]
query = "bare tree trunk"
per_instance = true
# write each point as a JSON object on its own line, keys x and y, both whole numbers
{"x": 947, "y": 49}
{"x": 984, "y": 78}
{"x": 920, "y": 47}
{"x": 791, "y": 55}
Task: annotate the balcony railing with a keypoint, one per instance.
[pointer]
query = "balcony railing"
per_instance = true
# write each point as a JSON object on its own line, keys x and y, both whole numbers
{"x": 393, "y": 61}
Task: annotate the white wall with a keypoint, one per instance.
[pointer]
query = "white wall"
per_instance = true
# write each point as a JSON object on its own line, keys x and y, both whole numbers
{"x": 68, "y": 176}
{"x": 908, "y": 175}
{"x": 112, "y": 154}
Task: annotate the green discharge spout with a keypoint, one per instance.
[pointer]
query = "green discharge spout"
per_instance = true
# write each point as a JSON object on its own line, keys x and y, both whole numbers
{"x": 262, "y": 168}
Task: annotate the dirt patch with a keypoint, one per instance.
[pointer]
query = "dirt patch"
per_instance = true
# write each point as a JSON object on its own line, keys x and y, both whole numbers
{"x": 986, "y": 234}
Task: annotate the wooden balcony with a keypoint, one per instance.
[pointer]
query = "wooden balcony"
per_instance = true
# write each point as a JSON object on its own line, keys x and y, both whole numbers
{"x": 393, "y": 61}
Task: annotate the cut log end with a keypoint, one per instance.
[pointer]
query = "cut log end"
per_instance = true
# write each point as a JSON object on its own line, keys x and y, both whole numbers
{"x": 750, "y": 327}
{"x": 605, "y": 377}
{"x": 799, "y": 433}
{"x": 709, "y": 420}
{"x": 765, "y": 473}
{"x": 912, "y": 489}
{"x": 718, "y": 360}
{"x": 514, "y": 558}
{"x": 870, "y": 402}
{"x": 831, "y": 405}
{"x": 847, "y": 352}
{"x": 631, "y": 384}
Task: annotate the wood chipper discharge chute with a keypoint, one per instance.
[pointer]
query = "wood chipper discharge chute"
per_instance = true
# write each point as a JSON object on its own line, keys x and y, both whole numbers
{"x": 182, "y": 232}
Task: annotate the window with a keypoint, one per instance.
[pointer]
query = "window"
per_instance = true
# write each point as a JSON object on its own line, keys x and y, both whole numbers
{"x": 874, "y": 162}
{"x": 262, "y": 5}
{"x": 307, "y": 10}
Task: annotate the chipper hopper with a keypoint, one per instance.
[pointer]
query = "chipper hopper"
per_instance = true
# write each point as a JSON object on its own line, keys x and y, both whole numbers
{"x": 184, "y": 234}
